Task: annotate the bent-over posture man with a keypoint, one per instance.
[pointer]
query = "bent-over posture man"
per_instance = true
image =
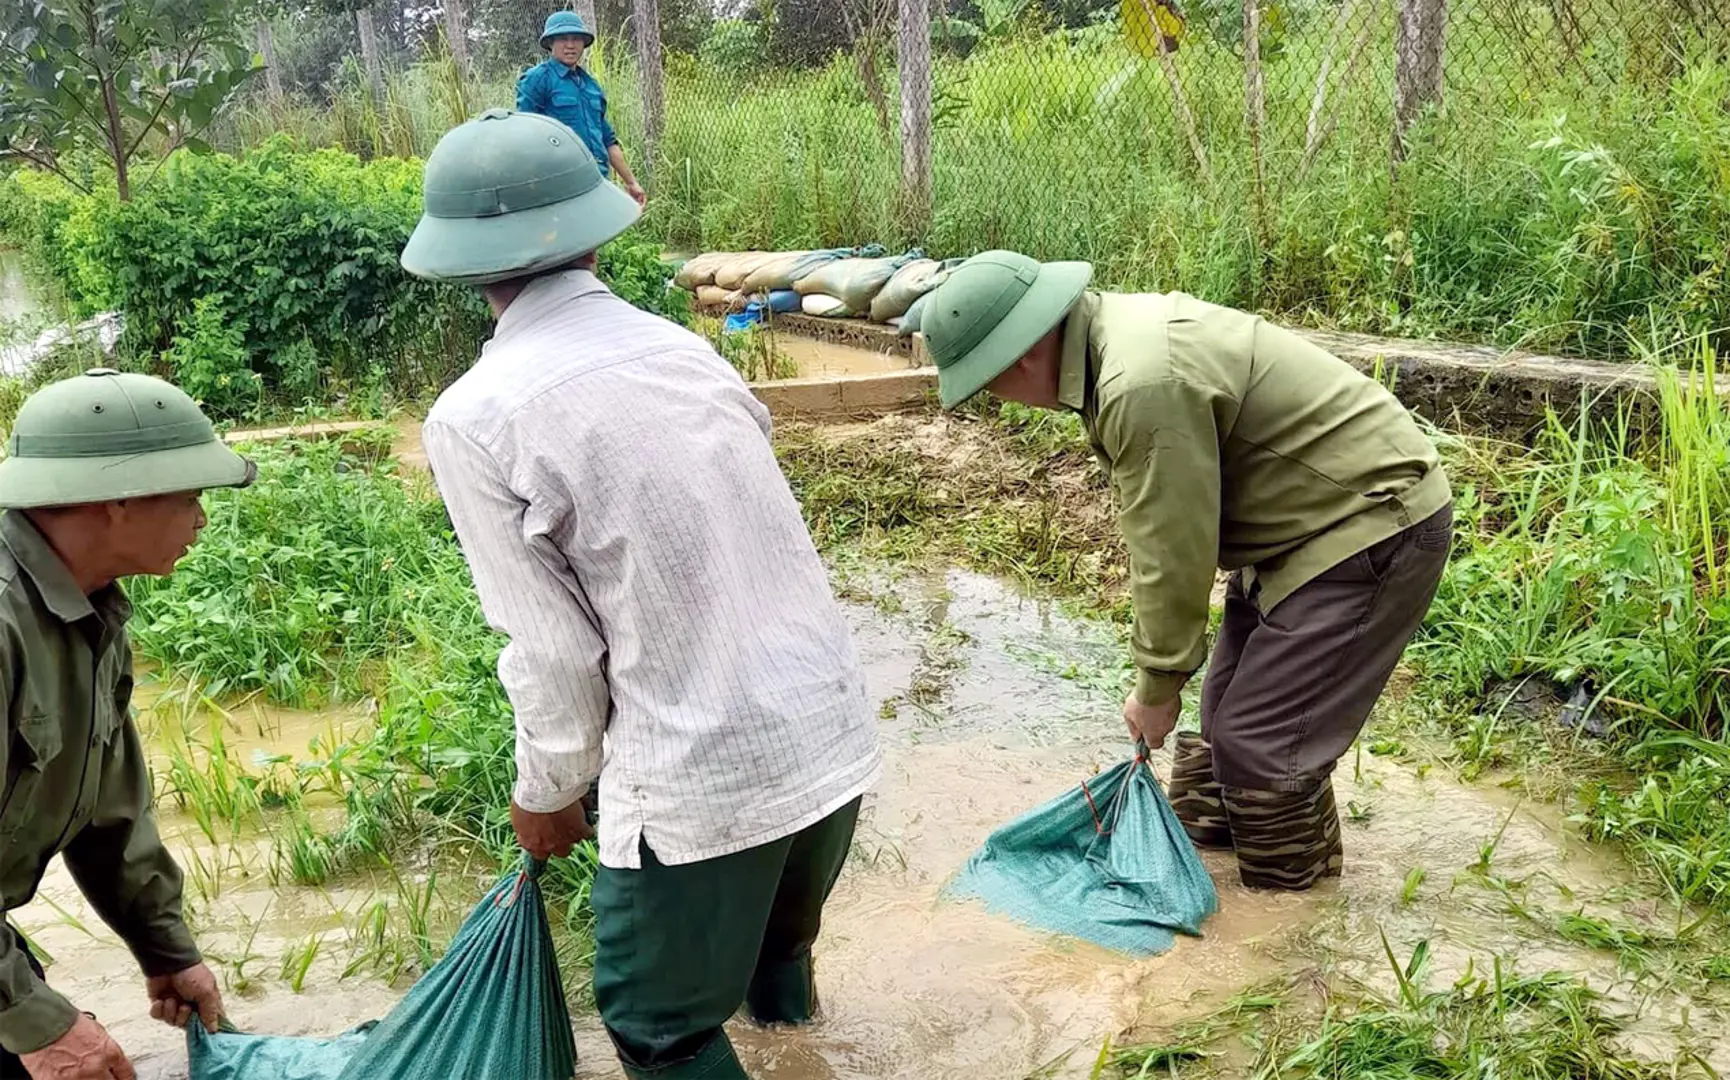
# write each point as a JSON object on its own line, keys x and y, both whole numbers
{"x": 1234, "y": 444}
{"x": 101, "y": 481}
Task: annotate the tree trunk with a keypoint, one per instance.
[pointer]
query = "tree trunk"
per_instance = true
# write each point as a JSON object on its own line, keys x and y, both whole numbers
{"x": 369, "y": 52}
{"x": 116, "y": 138}
{"x": 1418, "y": 42}
{"x": 267, "y": 48}
{"x": 913, "y": 55}
{"x": 457, "y": 32}
{"x": 646, "y": 28}
{"x": 585, "y": 10}
{"x": 114, "y": 132}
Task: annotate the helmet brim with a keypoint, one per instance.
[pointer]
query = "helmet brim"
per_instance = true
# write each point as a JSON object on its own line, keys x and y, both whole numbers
{"x": 547, "y": 39}
{"x": 1048, "y": 300}
{"x": 483, "y": 250}
{"x": 32, "y": 482}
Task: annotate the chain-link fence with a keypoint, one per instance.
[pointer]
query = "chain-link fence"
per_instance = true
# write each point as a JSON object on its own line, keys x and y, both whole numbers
{"x": 1211, "y": 143}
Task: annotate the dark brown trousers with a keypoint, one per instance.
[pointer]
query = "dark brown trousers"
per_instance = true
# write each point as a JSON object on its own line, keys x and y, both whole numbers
{"x": 1289, "y": 689}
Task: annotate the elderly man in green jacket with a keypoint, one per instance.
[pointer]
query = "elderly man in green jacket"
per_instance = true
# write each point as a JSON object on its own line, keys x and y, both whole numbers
{"x": 101, "y": 480}
{"x": 1231, "y": 443}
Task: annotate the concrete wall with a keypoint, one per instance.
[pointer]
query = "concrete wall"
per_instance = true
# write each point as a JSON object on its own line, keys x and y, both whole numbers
{"x": 1469, "y": 388}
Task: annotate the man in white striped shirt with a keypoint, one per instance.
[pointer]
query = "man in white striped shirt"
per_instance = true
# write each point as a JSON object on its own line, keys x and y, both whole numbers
{"x": 671, "y": 627}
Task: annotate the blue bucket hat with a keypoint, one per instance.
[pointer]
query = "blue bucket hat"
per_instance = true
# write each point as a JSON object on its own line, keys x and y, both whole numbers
{"x": 560, "y": 23}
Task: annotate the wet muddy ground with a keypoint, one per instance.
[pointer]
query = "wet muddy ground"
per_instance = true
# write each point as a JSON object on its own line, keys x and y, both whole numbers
{"x": 990, "y": 704}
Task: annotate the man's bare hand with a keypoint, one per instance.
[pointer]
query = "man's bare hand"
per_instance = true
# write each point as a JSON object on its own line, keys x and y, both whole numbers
{"x": 1151, "y": 723}
{"x": 85, "y": 1052}
{"x": 174, "y": 998}
{"x": 547, "y": 835}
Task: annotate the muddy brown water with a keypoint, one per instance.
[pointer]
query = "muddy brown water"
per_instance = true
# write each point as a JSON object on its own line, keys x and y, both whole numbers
{"x": 827, "y": 358}
{"x": 979, "y": 724}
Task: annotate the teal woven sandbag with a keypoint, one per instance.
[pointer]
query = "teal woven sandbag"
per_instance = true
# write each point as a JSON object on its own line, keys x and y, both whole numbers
{"x": 229, "y": 1055}
{"x": 1107, "y": 862}
{"x": 492, "y": 1008}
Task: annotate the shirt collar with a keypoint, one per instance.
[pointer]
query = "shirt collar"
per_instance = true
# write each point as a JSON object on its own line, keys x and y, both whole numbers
{"x": 1072, "y": 369}
{"x": 30, "y": 548}
{"x": 540, "y": 296}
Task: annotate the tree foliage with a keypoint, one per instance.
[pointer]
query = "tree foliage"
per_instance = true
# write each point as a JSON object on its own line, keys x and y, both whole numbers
{"x": 112, "y": 74}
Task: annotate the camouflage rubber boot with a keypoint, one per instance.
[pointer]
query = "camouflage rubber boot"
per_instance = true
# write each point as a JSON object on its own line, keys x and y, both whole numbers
{"x": 1195, "y": 794}
{"x": 1285, "y": 840}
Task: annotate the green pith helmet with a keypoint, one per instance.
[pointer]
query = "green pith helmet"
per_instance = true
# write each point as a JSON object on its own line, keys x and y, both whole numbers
{"x": 560, "y": 23}
{"x": 510, "y": 194}
{"x": 105, "y": 435}
{"x": 990, "y": 311}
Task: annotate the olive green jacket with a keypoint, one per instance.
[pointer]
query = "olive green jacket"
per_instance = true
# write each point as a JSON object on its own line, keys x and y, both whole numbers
{"x": 1232, "y": 443}
{"x": 77, "y": 783}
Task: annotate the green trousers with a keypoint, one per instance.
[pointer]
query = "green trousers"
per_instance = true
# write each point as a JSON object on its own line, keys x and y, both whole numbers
{"x": 678, "y": 949}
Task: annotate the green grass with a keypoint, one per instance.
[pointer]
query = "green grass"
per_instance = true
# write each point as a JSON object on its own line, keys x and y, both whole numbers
{"x": 752, "y": 351}
{"x": 1571, "y": 210}
{"x": 1490, "y": 1024}
{"x": 1568, "y": 206}
{"x": 331, "y": 580}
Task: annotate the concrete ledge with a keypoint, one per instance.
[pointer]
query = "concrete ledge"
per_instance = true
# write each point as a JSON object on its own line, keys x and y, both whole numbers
{"x": 1506, "y": 393}
{"x": 320, "y": 430}
{"x": 842, "y": 397}
{"x": 1485, "y": 390}
{"x": 1474, "y": 388}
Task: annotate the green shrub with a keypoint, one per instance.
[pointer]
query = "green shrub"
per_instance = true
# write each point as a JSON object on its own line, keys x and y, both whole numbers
{"x": 633, "y": 268}
{"x": 733, "y": 45}
{"x": 302, "y": 248}
{"x": 209, "y": 358}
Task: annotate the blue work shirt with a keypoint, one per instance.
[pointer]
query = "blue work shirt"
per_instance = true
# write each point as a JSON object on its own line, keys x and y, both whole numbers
{"x": 574, "y": 98}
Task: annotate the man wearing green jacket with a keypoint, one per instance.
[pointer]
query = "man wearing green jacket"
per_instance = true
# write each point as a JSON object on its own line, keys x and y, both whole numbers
{"x": 101, "y": 480}
{"x": 1230, "y": 443}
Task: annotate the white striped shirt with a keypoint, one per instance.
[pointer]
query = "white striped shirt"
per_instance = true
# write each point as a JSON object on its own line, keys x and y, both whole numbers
{"x": 671, "y": 625}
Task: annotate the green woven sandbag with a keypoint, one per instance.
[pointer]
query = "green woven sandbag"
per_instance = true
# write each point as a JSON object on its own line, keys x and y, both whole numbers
{"x": 493, "y": 1007}
{"x": 1107, "y": 862}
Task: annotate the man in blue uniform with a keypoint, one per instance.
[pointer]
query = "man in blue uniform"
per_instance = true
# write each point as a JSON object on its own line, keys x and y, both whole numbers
{"x": 561, "y": 88}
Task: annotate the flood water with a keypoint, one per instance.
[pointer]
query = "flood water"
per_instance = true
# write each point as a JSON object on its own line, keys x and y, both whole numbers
{"x": 817, "y": 358}
{"x": 17, "y": 297}
{"x": 979, "y": 724}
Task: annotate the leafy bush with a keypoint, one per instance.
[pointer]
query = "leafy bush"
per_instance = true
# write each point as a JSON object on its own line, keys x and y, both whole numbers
{"x": 307, "y": 581}
{"x": 633, "y": 268}
{"x": 734, "y": 45}
{"x": 301, "y": 248}
{"x": 209, "y": 357}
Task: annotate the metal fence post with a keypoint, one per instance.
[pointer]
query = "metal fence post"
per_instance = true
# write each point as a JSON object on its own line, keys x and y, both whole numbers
{"x": 913, "y": 53}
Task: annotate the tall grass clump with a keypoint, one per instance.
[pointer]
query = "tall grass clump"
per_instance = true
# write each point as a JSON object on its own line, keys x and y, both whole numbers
{"x": 1489, "y": 1023}
{"x": 336, "y": 579}
{"x": 1577, "y": 207}
{"x": 1596, "y": 561}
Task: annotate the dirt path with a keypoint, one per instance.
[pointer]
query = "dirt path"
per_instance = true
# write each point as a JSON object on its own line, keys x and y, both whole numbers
{"x": 979, "y": 725}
